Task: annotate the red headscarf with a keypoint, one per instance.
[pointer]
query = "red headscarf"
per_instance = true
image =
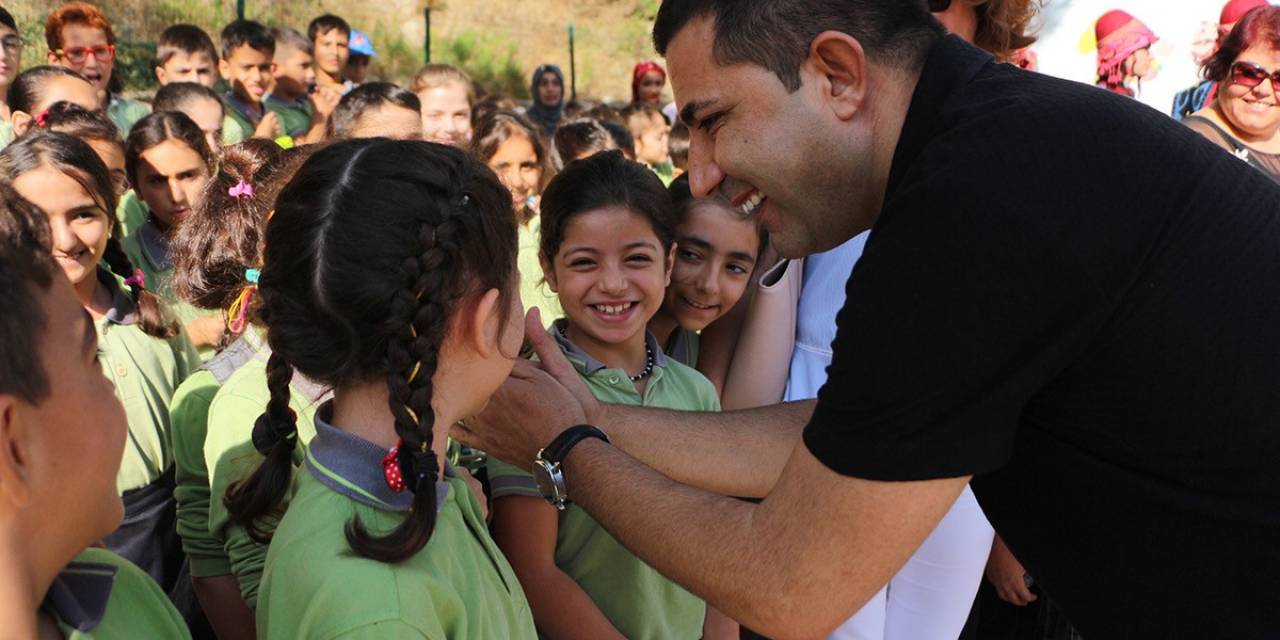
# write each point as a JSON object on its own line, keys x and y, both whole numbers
{"x": 1234, "y": 10}
{"x": 638, "y": 73}
{"x": 1119, "y": 36}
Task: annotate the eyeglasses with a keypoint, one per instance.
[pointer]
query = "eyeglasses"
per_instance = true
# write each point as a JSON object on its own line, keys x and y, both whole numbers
{"x": 11, "y": 44}
{"x": 1248, "y": 74}
{"x": 78, "y": 55}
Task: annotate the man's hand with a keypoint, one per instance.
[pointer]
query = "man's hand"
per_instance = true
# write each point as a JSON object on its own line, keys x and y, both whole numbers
{"x": 1008, "y": 576}
{"x": 532, "y": 407}
{"x": 268, "y": 127}
{"x": 325, "y": 100}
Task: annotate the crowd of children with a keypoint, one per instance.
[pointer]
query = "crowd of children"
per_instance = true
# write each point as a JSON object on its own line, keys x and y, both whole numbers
{"x": 296, "y": 280}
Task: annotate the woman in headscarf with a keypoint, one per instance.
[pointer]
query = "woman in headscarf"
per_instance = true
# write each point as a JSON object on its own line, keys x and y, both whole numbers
{"x": 547, "y": 88}
{"x": 1124, "y": 52}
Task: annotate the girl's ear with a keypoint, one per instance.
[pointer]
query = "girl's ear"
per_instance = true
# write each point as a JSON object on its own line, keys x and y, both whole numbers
{"x": 548, "y": 273}
{"x": 14, "y": 488}
{"x": 483, "y": 330}
{"x": 21, "y": 122}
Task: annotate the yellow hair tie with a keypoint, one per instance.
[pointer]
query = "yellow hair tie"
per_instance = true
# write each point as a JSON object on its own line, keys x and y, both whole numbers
{"x": 417, "y": 366}
{"x": 412, "y": 414}
{"x": 238, "y": 312}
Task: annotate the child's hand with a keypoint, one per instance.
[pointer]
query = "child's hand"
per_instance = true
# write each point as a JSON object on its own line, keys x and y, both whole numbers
{"x": 325, "y": 100}
{"x": 268, "y": 127}
{"x": 1008, "y": 576}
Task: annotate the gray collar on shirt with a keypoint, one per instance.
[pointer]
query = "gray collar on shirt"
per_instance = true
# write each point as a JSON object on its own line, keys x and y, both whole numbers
{"x": 122, "y": 310}
{"x": 79, "y": 595}
{"x": 587, "y": 365}
{"x": 358, "y": 462}
{"x": 155, "y": 246}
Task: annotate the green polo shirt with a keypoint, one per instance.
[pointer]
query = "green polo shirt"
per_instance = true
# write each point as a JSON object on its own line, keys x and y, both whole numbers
{"x": 131, "y": 212}
{"x": 640, "y": 602}
{"x": 189, "y": 415}
{"x": 533, "y": 291}
{"x": 101, "y": 595}
{"x": 146, "y": 371}
{"x": 295, "y": 117}
{"x": 148, "y": 249}
{"x": 230, "y": 456}
{"x": 458, "y": 586}
{"x": 233, "y": 131}
{"x": 125, "y": 113}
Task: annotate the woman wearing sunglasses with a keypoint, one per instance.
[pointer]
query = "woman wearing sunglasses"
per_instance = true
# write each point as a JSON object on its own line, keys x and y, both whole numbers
{"x": 1244, "y": 118}
{"x": 80, "y": 38}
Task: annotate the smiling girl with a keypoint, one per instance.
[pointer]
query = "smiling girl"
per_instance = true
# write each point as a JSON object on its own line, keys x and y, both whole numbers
{"x": 168, "y": 163}
{"x": 144, "y": 355}
{"x": 716, "y": 253}
{"x": 606, "y": 249}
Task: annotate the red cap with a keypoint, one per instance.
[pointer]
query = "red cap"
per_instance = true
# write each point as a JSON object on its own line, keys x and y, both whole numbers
{"x": 1110, "y": 22}
{"x": 1235, "y": 9}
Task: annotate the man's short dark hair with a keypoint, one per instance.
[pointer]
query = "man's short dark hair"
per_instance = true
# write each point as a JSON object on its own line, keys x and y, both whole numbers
{"x": 776, "y": 35}
{"x": 326, "y": 23}
{"x": 292, "y": 39}
{"x": 247, "y": 33}
{"x": 26, "y": 269}
{"x": 183, "y": 38}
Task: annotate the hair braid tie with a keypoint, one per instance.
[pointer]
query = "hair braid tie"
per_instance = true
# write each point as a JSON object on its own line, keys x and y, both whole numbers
{"x": 267, "y": 433}
{"x": 405, "y": 468}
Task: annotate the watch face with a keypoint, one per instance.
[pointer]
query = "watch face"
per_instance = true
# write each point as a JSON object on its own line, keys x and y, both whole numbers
{"x": 544, "y": 474}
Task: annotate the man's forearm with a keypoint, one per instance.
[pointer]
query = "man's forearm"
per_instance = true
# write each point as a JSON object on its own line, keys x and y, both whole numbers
{"x": 737, "y": 453}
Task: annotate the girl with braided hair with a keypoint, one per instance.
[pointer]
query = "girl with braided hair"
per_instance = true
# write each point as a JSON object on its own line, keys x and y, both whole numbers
{"x": 168, "y": 163}
{"x": 389, "y": 276}
{"x": 142, "y": 352}
{"x": 216, "y": 254}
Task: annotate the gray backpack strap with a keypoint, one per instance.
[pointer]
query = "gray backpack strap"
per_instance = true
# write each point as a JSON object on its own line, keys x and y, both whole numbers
{"x": 229, "y": 360}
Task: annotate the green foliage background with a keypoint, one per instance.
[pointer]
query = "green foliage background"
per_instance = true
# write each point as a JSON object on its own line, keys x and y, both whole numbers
{"x": 499, "y": 42}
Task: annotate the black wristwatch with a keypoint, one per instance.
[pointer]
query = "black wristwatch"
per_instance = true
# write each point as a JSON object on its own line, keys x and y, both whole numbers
{"x": 546, "y": 467}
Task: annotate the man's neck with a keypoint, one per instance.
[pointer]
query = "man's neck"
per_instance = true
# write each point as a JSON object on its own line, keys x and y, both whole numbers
{"x": 893, "y": 89}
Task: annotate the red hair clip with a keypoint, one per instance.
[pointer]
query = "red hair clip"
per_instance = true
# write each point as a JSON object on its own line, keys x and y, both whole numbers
{"x": 391, "y": 468}
{"x": 138, "y": 279}
{"x": 41, "y": 118}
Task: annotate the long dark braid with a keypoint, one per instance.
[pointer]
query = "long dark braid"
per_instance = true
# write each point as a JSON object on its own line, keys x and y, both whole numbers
{"x": 275, "y": 435}
{"x": 375, "y": 245}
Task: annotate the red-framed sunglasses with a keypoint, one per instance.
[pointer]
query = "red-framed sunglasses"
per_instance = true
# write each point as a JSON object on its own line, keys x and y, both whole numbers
{"x": 1250, "y": 75}
{"x": 78, "y": 55}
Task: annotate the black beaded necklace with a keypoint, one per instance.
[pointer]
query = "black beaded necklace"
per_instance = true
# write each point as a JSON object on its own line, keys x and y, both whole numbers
{"x": 648, "y": 365}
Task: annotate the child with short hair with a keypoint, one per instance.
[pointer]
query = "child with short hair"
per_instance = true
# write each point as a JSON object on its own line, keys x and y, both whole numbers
{"x": 330, "y": 38}
{"x": 650, "y": 131}
{"x": 36, "y": 89}
{"x": 577, "y": 139}
{"x": 447, "y": 95}
{"x": 199, "y": 103}
{"x": 168, "y": 164}
{"x": 185, "y": 53}
{"x": 143, "y": 353}
{"x": 218, "y": 251}
{"x": 303, "y": 114}
{"x": 360, "y": 54}
{"x": 247, "y": 52}
{"x": 607, "y": 245}
{"x": 80, "y": 38}
{"x": 414, "y": 322}
{"x": 513, "y": 148}
{"x": 377, "y": 109}
{"x": 55, "y": 405}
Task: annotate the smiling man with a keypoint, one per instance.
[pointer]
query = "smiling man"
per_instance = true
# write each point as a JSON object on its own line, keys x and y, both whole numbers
{"x": 1065, "y": 297}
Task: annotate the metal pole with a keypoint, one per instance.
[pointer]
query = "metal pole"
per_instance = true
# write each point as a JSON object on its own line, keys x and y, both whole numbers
{"x": 426, "y": 44}
{"x": 240, "y": 9}
{"x": 573, "y": 68}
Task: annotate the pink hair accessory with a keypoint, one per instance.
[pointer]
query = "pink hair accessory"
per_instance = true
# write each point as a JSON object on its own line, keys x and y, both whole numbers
{"x": 241, "y": 190}
{"x": 41, "y": 118}
{"x": 138, "y": 279}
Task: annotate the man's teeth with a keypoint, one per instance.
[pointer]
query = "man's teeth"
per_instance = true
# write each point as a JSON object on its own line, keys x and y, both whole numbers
{"x": 613, "y": 310}
{"x": 749, "y": 207}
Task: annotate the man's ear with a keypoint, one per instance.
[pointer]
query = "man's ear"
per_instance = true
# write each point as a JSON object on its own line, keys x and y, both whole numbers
{"x": 224, "y": 69}
{"x": 21, "y": 122}
{"x": 14, "y": 454}
{"x": 841, "y": 63}
{"x": 549, "y": 273}
{"x": 161, "y": 75}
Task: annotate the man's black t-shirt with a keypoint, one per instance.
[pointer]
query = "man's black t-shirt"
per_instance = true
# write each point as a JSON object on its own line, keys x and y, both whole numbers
{"x": 1076, "y": 300}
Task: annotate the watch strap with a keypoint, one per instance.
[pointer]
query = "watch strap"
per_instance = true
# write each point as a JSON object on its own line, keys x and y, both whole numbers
{"x": 568, "y": 439}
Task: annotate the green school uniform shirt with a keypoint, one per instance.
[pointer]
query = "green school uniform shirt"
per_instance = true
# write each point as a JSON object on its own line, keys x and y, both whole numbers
{"x": 295, "y": 117}
{"x": 132, "y": 213}
{"x": 100, "y": 595}
{"x": 230, "y": 456}
{"x": 533, "y": 291}
{"x": 458, "y": 587}
{"x": 146, "y": 371}
{"x": 666, "y": 172}
{"x": 125, "y": 113}
{"x": 189, "y": 415}
{"x": 6, "y": 134}
{"x": 233, "y": 131}
{"x": 640, "y": 602}
{"x": 148, "y": 249}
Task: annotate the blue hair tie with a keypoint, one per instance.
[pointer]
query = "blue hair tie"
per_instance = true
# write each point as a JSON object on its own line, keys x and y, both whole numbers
{"x": 252, "y": 275}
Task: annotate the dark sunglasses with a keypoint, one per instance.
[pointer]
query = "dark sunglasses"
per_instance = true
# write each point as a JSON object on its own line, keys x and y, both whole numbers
{"x": 1250, "y": 75}
{"x": 938, "y": 6}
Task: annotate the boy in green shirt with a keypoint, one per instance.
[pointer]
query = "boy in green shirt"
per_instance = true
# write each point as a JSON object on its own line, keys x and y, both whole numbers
{"x": 247, "y": 51}
{"x": 57, "y": 477}
{"x": 303, "y": 116}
